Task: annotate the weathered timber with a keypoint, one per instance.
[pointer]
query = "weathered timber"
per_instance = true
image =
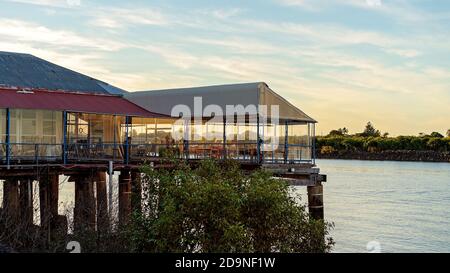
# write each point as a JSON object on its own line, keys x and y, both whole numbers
{"x": 124, "y": 197}
{"x": 11, "y": 199}
{"x": 315, "y": 202}
{"x": 102, "y": 201}
{"x": 26, "y": 200}
{"x": 85, "y": 209}
{"x": 49, "y": 198}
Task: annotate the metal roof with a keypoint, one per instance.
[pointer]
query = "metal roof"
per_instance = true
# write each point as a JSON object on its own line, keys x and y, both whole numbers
{"x": 28, "y": 71}
{"x": 257, "y": 93}
{"x": 16, "y": 98}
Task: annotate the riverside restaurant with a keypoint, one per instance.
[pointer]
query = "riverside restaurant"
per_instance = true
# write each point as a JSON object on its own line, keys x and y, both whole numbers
{"x": 39, "y": 126}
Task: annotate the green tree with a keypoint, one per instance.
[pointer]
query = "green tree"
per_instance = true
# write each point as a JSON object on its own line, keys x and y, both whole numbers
{"x": 216, "y": 208}
{"x": 339, "y": 132}
{"x": 448, "y": 133}
{"x": 437, "y": 135}
{"x": 370, "y": 131}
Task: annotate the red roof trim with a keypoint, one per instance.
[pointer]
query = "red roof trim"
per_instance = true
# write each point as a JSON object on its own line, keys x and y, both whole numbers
{"x": 41, "y": 99}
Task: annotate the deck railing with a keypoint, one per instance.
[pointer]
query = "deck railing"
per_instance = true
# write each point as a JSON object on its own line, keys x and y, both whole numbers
{"x": 32, "y": 153}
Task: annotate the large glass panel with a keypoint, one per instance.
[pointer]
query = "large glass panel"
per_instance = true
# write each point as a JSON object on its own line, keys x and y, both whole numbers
{"x": 150, "y": 137}
{"x": 300, "y": 142}
{"x": 241, "y": 140}
{"x": 94, "y": 137}
{"x": 35, "y": 133}
{"x": 299, "y": 134}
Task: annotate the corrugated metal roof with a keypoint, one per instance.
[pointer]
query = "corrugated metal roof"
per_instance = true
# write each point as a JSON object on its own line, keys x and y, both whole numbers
{"x": 24, "y": 70}
{"x": 71, "y": 102}
{"x": 257, "y": 93}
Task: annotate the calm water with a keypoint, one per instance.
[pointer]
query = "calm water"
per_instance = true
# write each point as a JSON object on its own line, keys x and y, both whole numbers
{"x": 404, "y": 206}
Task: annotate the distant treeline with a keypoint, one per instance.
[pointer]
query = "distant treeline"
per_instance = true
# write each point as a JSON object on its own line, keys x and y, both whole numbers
{"x": 371, "y": 141}
{"x": 330, "y": 144}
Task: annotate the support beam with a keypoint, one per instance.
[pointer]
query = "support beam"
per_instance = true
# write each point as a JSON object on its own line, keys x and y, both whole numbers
{"x": 64, "y": 137}
{"x": 8, "y": 137}
{"x": 315, "y": 202}
{"x": 49, "y": 198}
{"x": 26, "y": 200}
{"x": 225, "y": 154}
{"x": 286, "y": 143}
{"x": 124, "y": 197}
{"x": 102, "y": 201}
{"x": 84, "y": 211}
{"x": 11, "y": 199}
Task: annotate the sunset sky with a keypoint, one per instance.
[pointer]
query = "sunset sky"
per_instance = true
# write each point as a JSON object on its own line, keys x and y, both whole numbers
{"x": 344, "y": 62}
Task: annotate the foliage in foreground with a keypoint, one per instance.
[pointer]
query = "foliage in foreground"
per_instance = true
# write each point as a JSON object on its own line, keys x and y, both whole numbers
{"x": 217, "y": 208}
{"x": 212, "y": 208}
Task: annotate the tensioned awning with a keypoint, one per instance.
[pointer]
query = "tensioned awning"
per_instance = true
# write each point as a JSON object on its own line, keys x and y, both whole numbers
{"x": 71, "y": 102}
{"x": 162, "y": 101}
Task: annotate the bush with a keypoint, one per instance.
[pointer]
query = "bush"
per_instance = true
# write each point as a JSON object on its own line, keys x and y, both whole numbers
{"x": 217, "y": 208}
{"x": 326, "y": 150}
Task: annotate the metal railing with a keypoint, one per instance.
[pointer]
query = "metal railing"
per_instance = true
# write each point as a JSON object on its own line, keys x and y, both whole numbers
{"x": 32, "y": 153}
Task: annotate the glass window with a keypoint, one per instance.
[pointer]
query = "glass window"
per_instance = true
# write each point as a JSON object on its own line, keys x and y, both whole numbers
{"x": 299, "y": 134}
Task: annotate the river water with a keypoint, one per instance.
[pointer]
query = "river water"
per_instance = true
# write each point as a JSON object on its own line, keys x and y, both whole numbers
{"x": 398, "y": 206}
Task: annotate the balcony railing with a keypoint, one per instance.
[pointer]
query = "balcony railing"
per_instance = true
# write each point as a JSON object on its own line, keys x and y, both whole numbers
{"x": 248, "y": 152}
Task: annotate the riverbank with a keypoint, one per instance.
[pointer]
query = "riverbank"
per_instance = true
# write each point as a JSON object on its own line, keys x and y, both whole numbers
{"x": 398, "y": 155}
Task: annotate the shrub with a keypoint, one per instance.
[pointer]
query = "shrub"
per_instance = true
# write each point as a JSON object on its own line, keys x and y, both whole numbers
{"x": 217, "y": 208}
{"x": 326, "y": 150}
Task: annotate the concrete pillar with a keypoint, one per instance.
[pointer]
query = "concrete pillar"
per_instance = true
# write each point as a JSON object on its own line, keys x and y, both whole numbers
{"x": 26, "y": 200}
{"x": 84, "y": 211}
{"x": 315, "y": 202}
{"x": 49, "y": 198}
{"x": 102, "y": 201}
{"x": 124, "y": 197}
{"x": 136, "y": 189}
{"x": 11, "y": 199}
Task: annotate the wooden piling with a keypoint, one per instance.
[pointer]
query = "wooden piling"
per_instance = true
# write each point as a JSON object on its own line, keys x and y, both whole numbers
{"x": 11, "y": 199}
{"x": 315, "y": 202}
{"x": 26, "y": 200}
{"x": 84, "y": 211}
{"x": 49, "y": 198}
{"x": 102, "y": 201}
{"x": 124, "y": 197}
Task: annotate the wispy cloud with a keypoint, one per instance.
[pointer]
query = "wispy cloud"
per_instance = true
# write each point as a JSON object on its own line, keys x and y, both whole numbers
{"x": 23, "y": 31}
{"x": 118, "y": 18}
{"x": 50, "y": 3}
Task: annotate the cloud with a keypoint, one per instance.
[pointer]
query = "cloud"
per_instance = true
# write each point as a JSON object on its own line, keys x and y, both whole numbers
{"x": 23, "y": 31}
{"x": 118, "y": 18}
{"x": 50, "y": 3}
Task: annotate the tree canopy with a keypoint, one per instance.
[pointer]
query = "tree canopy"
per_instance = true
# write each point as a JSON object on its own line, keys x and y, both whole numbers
{"x": 370, "y": 131}
{"x": 217, "y": 208}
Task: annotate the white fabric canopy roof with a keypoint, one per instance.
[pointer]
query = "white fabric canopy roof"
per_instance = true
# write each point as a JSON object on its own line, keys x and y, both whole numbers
{"x": 162, "y": 101}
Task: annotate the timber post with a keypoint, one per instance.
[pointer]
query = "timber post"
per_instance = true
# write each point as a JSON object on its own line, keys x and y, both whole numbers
{"x": 49, "y": 198}
{"x": 102, "y": 201}
{"x": 11, "y": 199}
{"x": 85, "y": 208}
{"x": 315, "y": 202}
{"x": 124, "y": 197}
{"x": 26, "y": 200}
